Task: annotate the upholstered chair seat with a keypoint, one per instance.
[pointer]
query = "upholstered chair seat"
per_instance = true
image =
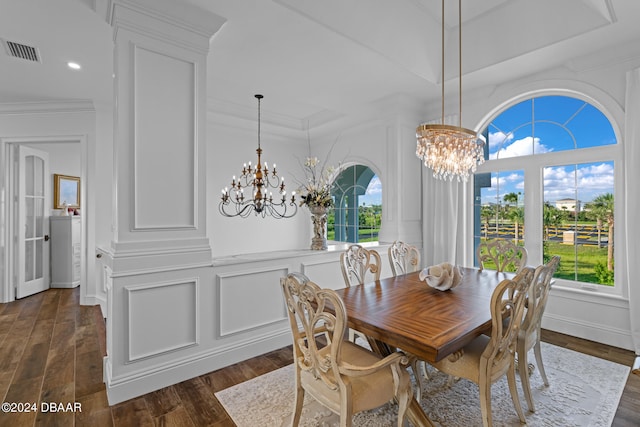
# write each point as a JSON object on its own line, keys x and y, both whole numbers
{"x": 342, "y": 376}
{"x": 487, "y": 358}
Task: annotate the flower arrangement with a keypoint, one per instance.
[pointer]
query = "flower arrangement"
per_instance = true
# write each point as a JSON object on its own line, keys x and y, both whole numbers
{"x": 316, "y": 190}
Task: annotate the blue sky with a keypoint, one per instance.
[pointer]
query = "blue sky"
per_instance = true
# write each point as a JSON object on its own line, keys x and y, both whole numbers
{"x": 560, "y": 124}
{"x": 373, "y": 195}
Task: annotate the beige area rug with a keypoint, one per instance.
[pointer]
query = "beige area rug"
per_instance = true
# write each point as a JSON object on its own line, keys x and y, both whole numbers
{"x": 584, "y": 391}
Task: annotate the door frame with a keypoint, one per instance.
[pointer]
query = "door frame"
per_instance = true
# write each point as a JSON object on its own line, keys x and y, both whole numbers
{"x": 7, "y": 220}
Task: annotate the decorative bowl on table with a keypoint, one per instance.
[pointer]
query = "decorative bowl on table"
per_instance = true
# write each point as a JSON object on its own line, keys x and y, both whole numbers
{"x": 442, "y": 277}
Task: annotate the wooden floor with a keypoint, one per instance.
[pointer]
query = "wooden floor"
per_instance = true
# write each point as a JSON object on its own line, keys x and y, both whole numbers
{"x": 51, "y": 351}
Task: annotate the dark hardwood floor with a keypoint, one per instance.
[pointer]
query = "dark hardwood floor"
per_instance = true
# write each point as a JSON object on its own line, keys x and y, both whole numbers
{"x": 51, "y": 351}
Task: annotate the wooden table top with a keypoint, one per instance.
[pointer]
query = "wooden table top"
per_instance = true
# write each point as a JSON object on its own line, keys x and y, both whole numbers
{"x": 406, "y": 313}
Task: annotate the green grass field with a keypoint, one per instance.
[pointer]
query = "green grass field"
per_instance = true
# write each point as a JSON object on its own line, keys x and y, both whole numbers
{"x": 576, "y": 262}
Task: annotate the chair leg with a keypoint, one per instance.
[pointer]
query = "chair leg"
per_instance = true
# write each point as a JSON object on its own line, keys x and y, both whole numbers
{"x": 403, "y": 397}
{"x": 523, "y": 369}
{"x": 511, "y": 379}
{"x": 297, "y": 409}
{"x": 538, "y": 352}
{"x": 485, "y": 402}
{"x": 346, "y": 413}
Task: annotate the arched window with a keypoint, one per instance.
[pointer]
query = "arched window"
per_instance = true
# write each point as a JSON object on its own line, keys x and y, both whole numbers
{"x": 548, "y": 183}
{"x": 357, "y": 193}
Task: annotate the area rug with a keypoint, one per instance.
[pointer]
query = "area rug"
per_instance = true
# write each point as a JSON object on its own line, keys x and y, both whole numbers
{"x": 583, "y": 391}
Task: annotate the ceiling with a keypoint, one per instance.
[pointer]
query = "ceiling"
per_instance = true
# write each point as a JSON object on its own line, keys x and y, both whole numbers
{"x": 318, "y": 61}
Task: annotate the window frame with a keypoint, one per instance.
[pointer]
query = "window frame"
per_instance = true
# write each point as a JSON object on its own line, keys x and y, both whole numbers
{"x": 533, "y": 167}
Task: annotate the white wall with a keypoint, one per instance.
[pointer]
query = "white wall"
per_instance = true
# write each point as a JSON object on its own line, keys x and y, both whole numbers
{"x": 59, "y": 123}
{"x": 590, "y": 315}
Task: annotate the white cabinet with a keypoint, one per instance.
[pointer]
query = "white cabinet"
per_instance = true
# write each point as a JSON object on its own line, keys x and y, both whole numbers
{"x": 65, "y": 251}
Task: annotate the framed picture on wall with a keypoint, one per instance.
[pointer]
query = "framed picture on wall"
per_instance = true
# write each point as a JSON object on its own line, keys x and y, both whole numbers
{"x": 66, "y": 190}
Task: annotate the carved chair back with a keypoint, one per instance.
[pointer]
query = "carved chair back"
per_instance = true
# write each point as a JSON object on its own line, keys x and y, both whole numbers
{"x": 507, "y": 311}
{"x": 360, "y": 265}
{"x": 503, "y": 254}
{"x": 404, "y": 258}
{"x": 317, "y": 332}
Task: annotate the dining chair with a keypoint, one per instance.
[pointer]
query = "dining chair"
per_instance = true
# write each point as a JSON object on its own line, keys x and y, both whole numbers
{"x": 360, "y": 265}
{"x": 342, "y": 376}
{"x": 503, "y": 254}
{"x": 403, "y": 258}
{"x": 529, "y": 334}
{"x": 488, "y": 358}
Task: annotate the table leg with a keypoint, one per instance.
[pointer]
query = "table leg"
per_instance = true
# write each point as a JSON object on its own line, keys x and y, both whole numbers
{"x": 416, "y": 415}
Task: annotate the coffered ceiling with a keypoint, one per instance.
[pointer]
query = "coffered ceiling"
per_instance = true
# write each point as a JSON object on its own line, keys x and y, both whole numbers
{"x": 316, "y": 61}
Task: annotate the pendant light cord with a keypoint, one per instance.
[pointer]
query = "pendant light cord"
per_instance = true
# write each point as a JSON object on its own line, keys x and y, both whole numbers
{"x": 259, "y": 97}
{"x": 460, "y": 62}
{"x": 442, "y": 70}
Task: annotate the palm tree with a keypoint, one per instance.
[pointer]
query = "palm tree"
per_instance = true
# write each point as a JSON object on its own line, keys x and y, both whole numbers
{"x": 517, "y": 216}
{"x": 552, "y": 216}
{"x": 511, "y": 198}
{"x": 486, "y": 212}
{"x": 602, "y": 207}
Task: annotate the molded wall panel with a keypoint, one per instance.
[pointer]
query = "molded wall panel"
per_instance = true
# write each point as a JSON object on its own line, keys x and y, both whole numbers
{"x": 163, "y": 317}
{"x": 250, "y": 299}
{"x": 164, "y": 152}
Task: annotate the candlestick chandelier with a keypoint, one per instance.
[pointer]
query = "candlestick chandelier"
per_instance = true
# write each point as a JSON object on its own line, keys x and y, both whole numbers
{"x": 234, "y": 203}
{"x": 450, "y": 150}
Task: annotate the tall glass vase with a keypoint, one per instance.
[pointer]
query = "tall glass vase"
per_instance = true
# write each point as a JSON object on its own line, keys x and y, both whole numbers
{"x": 319, "y": 221}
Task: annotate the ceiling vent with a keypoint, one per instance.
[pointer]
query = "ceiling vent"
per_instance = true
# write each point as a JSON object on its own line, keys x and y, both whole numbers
{"x": 21, "y": 51}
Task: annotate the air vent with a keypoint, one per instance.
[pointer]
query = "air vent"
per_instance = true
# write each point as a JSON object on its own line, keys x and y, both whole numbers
{"x": 22, "y": 51}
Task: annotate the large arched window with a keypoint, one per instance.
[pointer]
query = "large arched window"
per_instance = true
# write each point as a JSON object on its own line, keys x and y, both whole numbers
{"x": 357, "y": 215}
{"x": 548, "y": 184}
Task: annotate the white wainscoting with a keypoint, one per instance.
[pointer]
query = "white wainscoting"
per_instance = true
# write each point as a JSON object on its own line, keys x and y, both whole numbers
{"x": 592, "y": 316}
{"x": 162, "y": 317}
{"x": 250, "y": 299}
{"x": 178, "y": 322}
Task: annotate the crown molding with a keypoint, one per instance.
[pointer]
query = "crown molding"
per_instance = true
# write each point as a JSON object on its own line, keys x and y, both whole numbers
{"x": 47, "y": 107}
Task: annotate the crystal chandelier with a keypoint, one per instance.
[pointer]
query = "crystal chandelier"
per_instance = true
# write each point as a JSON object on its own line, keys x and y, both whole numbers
{"x": 450, "y": 150}
{"x": 234, "y": 203}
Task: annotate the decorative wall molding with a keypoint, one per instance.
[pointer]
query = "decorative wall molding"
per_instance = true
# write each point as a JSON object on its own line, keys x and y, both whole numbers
{"x": 47, "y": 107}
{"x": 598, "y": 332}
{"x": 161, "y": 317}
{"x": 165, "y": 109}
{"x": 249, "y": 299}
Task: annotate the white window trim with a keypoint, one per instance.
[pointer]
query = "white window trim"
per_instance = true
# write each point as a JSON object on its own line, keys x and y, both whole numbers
{"x": 534, "y": 165}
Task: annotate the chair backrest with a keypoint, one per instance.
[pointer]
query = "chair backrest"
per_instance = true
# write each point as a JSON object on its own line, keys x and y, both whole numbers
{"x": 359, "y": 265}
{"x": 318, "y": 322}
{"x": 504, "y": 254}
{"x": 404, "y": 258}
{"x": 537, "y": 296}
{"x": 507, "y": 310}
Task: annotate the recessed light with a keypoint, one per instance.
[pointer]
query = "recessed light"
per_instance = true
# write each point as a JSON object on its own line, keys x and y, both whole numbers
{"x": 73, "y": 65}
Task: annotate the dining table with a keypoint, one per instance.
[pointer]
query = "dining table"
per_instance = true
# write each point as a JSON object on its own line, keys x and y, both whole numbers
{"x": 403, "y": 312}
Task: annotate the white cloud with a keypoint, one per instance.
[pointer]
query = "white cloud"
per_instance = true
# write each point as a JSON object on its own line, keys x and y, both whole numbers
{"x": 521, "y": 147}
{"x": 588, "y": 180}
{"x": 497, "y": 139}
{"x": 375, "y": 187}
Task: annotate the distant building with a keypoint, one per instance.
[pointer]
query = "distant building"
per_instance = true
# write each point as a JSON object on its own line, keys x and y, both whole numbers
{"x": 571, "y": 205}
